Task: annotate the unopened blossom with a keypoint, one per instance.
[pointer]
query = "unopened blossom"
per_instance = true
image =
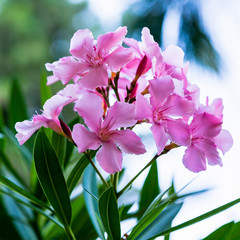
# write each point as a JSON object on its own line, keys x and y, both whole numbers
{"x": 165, "y": 112}
{"x": 49, "y": 119}
{"x": 91, "y": 60}
{"x": 105, "y": 132}
{"x": 207, "y": 136}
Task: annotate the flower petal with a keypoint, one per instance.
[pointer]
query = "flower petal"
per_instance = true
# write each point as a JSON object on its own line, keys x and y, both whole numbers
{"x": 161, "y": 88}
{"x": 109, "y": 157}
{"x": 84, "y": 139}
{"x": 97, "y": 76}
{"x": 178, "y": 132}
{"x": 81, "y": 44}
{"x": 128, "y": 142}
{"x": 67, "y": 69}
{"x": 194, "y": 159}
{"x": 160, "y": 136}
{"x": 110, "y": 40}
{"x": 224, "y": 141}
{"x": 119, "y": 58}
{"x": 121, "y": 114}
{"x": 173, "y": 56}
{"x": 89, "y": 106}
{"x": 143, "y": 109}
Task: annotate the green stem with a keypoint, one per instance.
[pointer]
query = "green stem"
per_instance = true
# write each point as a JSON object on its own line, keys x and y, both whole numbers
{"x": 97, "y": 171}
{"x": 69, "y": 233}
{"x": 115, "y": 181}
{"x": 165, "y": 150}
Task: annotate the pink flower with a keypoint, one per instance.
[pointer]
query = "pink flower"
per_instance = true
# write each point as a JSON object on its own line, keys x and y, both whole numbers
{"x": 91, "y": 60}
{"x": 165, "y": 112}
{"x": 104, "y": 133}
{"x": 49, "y": 119}
{"x": 207, "y": 136}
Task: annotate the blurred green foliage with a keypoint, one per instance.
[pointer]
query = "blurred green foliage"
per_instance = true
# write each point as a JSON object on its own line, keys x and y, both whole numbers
{"x": 193, "y": 36}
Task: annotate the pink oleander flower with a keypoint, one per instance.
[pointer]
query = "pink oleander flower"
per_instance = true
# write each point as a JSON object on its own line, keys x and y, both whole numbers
{"x": 165, "y": 112}
{"x": 91, "y": 59}
{"x": 48, "y": 119}
{"x": 105, "y": 133}
{"x": 207, "y": 136}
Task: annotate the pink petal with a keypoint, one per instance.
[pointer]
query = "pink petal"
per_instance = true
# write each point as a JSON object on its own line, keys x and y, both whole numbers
{"x": 173, "y": 55}
{"x": 128, "y": 142}
{"x": 112, "y": 39}
{"x": 147, "y": 38}
{"x": 224, "y": 141}
{"x": 89, "y": 106}
{"x": 210, "y": 150}
{"x": 205, "y": 125}
{"x": 67, "y": 69}
{"x": 109, "y": 157}
{"x": 54, "y": 105}
{"x": 160, "y": 136}
{"x": 81, "y": 44}
{"x": 84, "y": 139}
{"x": 194, "y": 159}
{"x": 178, "y": 132}
{"x": 143, "y": 109}
{"x": 97, "y": 76}
{"x": 52, "y": 79}
{"x": 121, "y": 114}
{"x": 178, "y": 106}
{"x": 134, "y": 45}
{"x": 26, "y": 129}
{"x": 161, "y": 88}
{"x": 119, "y": 58}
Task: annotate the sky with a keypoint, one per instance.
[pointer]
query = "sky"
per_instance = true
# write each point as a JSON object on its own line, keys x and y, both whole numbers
{"x": 222, "y": 19}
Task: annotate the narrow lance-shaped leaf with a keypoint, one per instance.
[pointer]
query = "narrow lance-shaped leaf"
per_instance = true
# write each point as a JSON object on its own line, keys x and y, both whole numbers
{"x": 108, "y": 209}
{"x": 150, "y": 189}
{"x": 76, "y": 173}
{"x": 90, "y": 195}
{"x": 51, "y": 177}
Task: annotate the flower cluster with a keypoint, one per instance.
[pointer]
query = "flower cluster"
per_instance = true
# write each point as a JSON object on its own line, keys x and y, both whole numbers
{"x": 115, "y": 88}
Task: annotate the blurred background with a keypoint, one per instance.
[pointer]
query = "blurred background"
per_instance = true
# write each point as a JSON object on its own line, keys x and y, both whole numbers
{"x": 34, "y": 32}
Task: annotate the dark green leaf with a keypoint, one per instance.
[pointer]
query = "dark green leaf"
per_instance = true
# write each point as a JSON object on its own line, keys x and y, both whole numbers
{"x": 161, "y": 223}
{"x": 59, "y": 144}
{"x": 235, "y": 233}
{"x": 201, "y": 217}
{"x": 123, "y": 211}
{"x": 108, "y": 209}
{"x": 51, "y": 177}
{"x": 150, "y": 189}
{"x": 23, "y": 192}
{"x": 45, "y": 90}
{"x": 76, "y": 173}
{"x": 90, "y": 184}
{"x": 18, "y": 110}
{"x": 221, "y": 233}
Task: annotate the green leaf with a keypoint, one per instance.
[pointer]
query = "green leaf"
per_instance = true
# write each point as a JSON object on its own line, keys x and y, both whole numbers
{"x": 150, "y": 189}
{"x": 201, "y": 217}
{"x": 45, "y": 90}
{"x": 59, "y": 144}
{"x": 18, "y": 109}
{"x": 235, "y": 233}
{"x": 34, "y": 208}
{"x": 90, "y": 184}
{"x": 221, "y": 233}
{"x": 51, "y": 177}
{"x": 23, "y": 192}
{"x": 145, "y": 221}
{"x": 108, "y": 209}
{"x": 76, "y": 173}
{"x": 161, "y": 223}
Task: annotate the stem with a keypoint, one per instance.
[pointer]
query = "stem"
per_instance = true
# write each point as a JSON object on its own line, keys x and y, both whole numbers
{"x": 97, "y": 171}
{"x": 115, "y": 181}
{"x": 165, "y": 150}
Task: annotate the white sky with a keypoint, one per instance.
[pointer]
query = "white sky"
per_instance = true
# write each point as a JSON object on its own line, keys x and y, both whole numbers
{"x": 222, "y": 18}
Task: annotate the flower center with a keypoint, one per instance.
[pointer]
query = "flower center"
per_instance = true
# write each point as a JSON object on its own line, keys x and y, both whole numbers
{"x": 104, "y": 134}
